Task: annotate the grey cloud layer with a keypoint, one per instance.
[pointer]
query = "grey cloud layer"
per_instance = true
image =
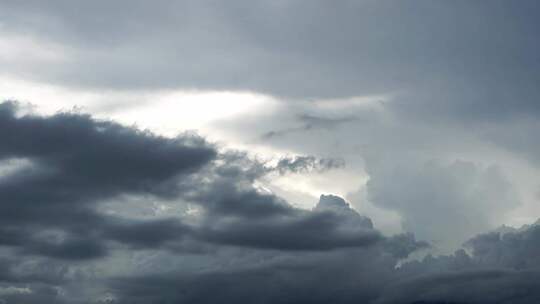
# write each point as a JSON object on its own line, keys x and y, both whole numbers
{"x": 80, "y": 219}
{"x": 458, "y": 58}
{"x": 368, "y": 276}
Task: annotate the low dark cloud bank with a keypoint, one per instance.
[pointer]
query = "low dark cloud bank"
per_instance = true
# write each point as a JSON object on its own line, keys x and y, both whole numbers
{"x": 366, "y": 276}
{"x": 56, "y": 238}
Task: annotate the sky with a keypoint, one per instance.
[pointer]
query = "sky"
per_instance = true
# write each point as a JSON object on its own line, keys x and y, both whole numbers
{"x": 380, "y": 152}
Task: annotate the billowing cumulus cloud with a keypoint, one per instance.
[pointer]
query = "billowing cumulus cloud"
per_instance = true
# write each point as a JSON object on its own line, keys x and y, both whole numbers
{"x": 443, "y": 203}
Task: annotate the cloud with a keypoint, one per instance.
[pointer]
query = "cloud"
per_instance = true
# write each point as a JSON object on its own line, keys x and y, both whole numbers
{"x": 473, "y": 287}
{"x": 353, "y": 49}
{"x": 247, "y": 217}
{"x": 516, "y": 249}
{"x": 452, "y": 87}
{"x": 82, "y": 162}
{"x": 324, "y": 228}
{"x": 146, "y": 234}
{"x": 359, "y": 274}
{"x": 55, "y": 235}
{"x": 432, "y": 192}
{"x": 310, "y": 163}
{"x": 502, "y": 268}
{"x": 92, "y": 211}
{"x": 60, "y": 245}
{"x": 77, "y": 162}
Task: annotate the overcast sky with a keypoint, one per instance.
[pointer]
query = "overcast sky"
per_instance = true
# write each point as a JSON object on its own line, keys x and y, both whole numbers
{"x": 380, "y": 152}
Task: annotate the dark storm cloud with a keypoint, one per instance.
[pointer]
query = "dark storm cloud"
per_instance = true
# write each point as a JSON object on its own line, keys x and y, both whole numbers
{"x": 238, "y": 214}
{"x": 146, "y": 234}
{"x": 249, "y": 218}
{"x": 293, "y": 276}
{"x": 92, "y": 159}
{"x": 365, "y": 275}
{"x": 37, "y": 295}
{"x": 300, "y": 231}
{"x": 268, "y": 285}
{"x": 223, "y": 198}
{"x": 516, "y": 249}
{"x": 474, "y": 287}
{"x": 502, "y": 268}
{"x": 77, "y": 162}
{"x": 344, "y": 276}
{"x": 26, "y": 280}
{"x": 70, "y": 248}
{"x": 50, "y": 207}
